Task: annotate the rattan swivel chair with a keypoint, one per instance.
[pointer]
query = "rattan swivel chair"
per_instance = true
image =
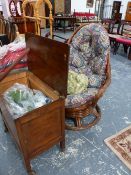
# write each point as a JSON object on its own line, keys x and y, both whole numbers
{"x": 89, "y": 55}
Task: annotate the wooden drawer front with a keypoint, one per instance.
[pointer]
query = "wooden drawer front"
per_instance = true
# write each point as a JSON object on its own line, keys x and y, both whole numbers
{"x": 44, "y": 131}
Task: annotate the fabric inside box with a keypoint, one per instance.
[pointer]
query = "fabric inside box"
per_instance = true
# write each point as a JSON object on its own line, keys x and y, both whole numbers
{"x": 20, "y": 99}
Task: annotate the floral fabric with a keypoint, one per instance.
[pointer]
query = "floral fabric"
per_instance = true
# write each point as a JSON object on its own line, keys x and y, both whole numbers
{"x": 77, "y": 83}
{"x": 95, "y": 81}
{"x": 88, "y": 53}
{"x": 80, "y": 98}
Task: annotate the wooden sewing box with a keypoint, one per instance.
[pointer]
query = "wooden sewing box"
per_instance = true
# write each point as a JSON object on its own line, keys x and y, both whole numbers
{"x": 40, "y": 129}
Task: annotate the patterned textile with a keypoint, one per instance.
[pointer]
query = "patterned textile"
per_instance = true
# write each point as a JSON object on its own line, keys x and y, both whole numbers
{"x": 10, "y": 52}
{"x": 77, "y": 83}
{"x": 94, "y": 81}
{"x": 88, "y": 53}
{"x": 10, "y": 58}
{"x": 120, "y": 144}
{"x": 81, "y": 98}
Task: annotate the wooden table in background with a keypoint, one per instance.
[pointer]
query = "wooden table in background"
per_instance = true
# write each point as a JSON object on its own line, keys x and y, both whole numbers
{"x": 119, "y": 39}
{"x": 58, "y": 19}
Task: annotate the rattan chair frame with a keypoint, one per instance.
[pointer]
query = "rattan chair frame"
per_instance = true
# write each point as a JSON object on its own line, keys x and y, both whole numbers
{"x": 90, "y": 107}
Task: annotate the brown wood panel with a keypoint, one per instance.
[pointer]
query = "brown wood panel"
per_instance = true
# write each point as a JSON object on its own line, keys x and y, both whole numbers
{"x": 36, "y": 83}
{"x": 116, "y": 11}
{"x": 59, "y": 6}
{"x": 48, "y": 60}
{"x": 128, "y": 12}
{"x": 44, "y": 129}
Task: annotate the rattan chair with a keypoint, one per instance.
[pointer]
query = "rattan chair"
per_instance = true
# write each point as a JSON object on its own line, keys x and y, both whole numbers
{"x": 79, "y": 111}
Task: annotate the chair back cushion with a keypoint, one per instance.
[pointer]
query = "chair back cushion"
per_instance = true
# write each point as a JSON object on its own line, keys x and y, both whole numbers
{"x": 88, "y": 52}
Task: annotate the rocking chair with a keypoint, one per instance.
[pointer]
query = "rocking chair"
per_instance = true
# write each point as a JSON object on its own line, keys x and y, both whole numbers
{"x": 89, "y": 55}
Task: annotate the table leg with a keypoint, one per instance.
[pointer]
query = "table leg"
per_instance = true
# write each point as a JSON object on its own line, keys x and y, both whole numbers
{"x": 73, "y": 26}
{"x": 5, "y": 127}
{"x": 129, "y": 54}
{"x": 116, "y": 46}
{"x": 55, "y": 21}
{"x": 64, "y": 26}
{"x": 125, "y": 48}
{"x": 62, "y": 145}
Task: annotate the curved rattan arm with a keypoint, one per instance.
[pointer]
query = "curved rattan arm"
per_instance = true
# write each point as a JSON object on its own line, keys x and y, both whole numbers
{"x": 70, "y": 39}
{"x": 19, "y": 58}
{"x": 39, "y": 2}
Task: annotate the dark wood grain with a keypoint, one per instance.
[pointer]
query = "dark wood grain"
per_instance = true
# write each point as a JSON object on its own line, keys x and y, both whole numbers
{"x": 48, "y": 60}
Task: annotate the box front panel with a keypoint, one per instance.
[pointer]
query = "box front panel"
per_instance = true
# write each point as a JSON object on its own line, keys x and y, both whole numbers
{"x": 44, "y": 131}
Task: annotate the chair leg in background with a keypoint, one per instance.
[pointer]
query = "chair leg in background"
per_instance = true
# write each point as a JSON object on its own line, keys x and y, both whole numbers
{"x": 129, "y": 54}
{"x": 125, "y": 48}
{"x": 116, "y": 47}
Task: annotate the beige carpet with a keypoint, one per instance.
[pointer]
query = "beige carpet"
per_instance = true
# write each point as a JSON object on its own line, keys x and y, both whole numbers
{"x": 120, "y": 144}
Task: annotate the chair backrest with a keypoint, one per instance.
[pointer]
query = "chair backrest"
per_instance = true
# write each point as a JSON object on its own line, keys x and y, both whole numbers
{"x": 108, "y": 24}
{"x": 126, "y": 29}
{"x": 89, "y": 47}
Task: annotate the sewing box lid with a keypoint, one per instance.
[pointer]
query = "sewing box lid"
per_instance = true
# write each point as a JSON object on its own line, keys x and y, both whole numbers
{"x": 48, "y": 60}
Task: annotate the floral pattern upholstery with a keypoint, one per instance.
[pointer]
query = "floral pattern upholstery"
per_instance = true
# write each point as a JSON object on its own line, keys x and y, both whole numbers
{"x": 78, "y": 99}
{"x": 88, "y": 53}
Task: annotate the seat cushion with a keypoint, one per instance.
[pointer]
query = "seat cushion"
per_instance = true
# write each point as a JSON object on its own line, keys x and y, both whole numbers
{"x": 88, "y": 51}
{"x": 81, "y": 98}
{"x": 124, "y": 41}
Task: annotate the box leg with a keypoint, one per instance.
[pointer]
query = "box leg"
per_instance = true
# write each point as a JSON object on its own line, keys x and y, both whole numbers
{"x": 129, "y": 54}
{"x": 28, "y": 167}
{"x": 5, "y": 127}
{"x": 32, "y": 173}
{"x": 125, "y": 48}
{"x": 62, "y": 145}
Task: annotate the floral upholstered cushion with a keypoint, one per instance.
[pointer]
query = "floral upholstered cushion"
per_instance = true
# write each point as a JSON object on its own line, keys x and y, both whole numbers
{"x": 88, "y": 56}
{"x": 88, "y": 50}
{"x": 80, "y": 98}
{"x": 94, "y": 81}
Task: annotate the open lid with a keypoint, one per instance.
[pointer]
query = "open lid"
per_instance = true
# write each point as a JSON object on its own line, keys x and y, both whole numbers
{"x": 48, "y": 60}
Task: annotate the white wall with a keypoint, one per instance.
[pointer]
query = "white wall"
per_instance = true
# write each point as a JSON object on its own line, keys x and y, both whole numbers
{"x": 0, "y": 6}
{"x": 123, "y": 7}
{"x": 80, "y": 6}
{"x": 5, "y": 8}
